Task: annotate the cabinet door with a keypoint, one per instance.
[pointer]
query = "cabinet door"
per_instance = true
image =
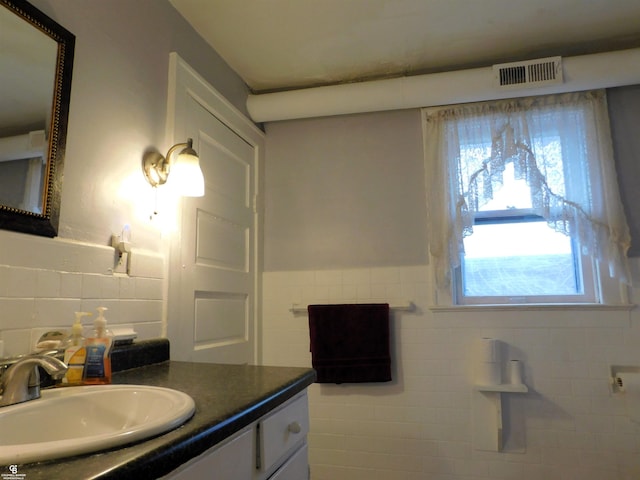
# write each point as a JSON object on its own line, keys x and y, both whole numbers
{"x": 232, "y": 461}
{"x": 282, "y": 432}
{"x": 296, "y": 468}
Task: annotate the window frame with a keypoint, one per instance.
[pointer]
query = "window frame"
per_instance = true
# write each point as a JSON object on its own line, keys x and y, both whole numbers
{"x": 584, "y": 265}
{"x": 603, "y": 280}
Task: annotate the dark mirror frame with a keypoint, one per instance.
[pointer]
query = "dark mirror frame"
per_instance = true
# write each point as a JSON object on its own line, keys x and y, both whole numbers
{"x": 46, "y": 224}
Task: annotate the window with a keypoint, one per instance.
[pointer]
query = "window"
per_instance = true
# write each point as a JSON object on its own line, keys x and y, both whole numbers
{"x": 523, "y": 200}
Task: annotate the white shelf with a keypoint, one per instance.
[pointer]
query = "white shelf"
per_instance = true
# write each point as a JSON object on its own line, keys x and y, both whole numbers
{"x": 504, "y": 388}
{"x": 487, "y": 414}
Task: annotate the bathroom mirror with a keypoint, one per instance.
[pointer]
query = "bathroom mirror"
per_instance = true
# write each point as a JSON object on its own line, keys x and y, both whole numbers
{"x": 36, "y": 60}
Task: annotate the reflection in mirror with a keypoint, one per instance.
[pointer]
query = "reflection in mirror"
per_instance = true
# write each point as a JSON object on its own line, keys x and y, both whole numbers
{"x": 36, "y": 56}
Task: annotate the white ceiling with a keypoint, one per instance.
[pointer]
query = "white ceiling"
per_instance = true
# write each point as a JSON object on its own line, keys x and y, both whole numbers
{"x": 287, "y": 44}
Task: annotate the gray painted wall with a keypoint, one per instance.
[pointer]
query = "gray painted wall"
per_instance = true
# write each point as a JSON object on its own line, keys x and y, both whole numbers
{"x": 146, "y": 30}
{"x": 624, "y": 113}
{"x": 119, "y": 108}
{"x": 345, "y": 192}
{"x": 349, "y": 192}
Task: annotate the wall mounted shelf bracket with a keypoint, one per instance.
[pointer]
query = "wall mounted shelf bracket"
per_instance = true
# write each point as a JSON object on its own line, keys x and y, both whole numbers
{"x": 487, "y": 414}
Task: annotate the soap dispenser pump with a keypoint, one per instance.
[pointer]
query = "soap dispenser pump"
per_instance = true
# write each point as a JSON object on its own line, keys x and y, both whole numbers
{"x": 98, "y": 366}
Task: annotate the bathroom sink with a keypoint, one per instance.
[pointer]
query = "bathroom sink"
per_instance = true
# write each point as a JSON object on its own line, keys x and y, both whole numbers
{"x": 75, "y": 420}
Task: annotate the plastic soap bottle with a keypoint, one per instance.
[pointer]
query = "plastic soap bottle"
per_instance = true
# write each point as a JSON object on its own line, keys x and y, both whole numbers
{"x": 97, "y": 370}
{"x": 75, "y": 353}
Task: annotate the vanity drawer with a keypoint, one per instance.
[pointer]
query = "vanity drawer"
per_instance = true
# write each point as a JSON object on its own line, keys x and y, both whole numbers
{"x": 295, "y": 468}
{"x": 282, "y": 431}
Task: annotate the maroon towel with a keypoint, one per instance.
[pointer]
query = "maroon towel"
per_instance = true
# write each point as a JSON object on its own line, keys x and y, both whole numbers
{"x": 350, "y": 343}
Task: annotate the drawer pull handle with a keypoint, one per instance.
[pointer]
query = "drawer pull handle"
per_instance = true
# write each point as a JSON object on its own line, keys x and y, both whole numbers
{"x": 294, "y": 427}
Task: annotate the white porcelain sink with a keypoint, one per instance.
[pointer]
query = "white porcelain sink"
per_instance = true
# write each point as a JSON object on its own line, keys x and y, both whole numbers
{"x": 74, "y": 420}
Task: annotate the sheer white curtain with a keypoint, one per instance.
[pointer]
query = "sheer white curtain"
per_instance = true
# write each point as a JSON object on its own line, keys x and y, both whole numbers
{"x": 559, "y": 144}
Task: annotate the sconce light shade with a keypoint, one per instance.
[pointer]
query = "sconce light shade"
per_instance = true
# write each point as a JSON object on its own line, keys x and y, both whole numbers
{"x": 186, "y": 176}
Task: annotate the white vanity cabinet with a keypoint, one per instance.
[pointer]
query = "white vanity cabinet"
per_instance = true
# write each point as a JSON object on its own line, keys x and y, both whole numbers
{"x": 281, "y": 442}
{"x": 273, "y": 448}
{"x": 230, "y": 460}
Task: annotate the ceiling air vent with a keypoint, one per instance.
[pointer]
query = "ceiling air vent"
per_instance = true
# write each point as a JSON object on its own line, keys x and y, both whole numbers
{"x": 540, "y": 72}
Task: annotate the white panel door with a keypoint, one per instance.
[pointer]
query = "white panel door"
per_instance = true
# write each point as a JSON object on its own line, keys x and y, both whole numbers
{"x": 217, "y": 244}
{"x": 213, "y": 317}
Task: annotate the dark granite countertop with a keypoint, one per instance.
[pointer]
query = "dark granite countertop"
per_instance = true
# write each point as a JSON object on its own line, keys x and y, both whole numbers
{"x": 227, "y": 398}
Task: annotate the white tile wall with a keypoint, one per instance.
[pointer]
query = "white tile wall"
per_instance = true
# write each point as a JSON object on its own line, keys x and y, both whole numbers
{"x": 420, "y": 426}
{"x": 40, "y": 292}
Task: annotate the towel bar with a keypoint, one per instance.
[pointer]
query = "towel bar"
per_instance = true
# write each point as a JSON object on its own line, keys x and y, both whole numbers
{"x": 406, "y": 306}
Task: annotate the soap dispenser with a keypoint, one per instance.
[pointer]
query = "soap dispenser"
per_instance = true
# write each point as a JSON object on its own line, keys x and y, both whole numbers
{"x": 75, "y": 353}
{"x": 98, "y": 367}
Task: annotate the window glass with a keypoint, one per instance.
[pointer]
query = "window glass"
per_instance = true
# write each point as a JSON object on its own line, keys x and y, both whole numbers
{"x": 513, "y": 252}
{"x": 519, "y": 259}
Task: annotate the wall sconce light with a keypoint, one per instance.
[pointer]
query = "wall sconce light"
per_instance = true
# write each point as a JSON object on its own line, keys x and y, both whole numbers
{"x": 186, "y": 175}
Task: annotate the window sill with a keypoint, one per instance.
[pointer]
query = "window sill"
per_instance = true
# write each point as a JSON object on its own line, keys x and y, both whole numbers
{"x": 533, "y": 307}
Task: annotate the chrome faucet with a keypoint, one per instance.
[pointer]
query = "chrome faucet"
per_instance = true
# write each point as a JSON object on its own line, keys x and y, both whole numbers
{"x": 21, "y": 381}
